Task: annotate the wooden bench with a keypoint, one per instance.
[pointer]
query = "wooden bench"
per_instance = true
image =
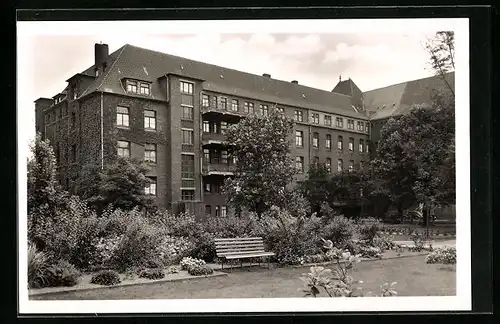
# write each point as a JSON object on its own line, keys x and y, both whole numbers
{"x": 241, "y": 248}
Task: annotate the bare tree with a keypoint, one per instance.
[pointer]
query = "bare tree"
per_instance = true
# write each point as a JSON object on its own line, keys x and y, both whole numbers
{"x": 441, "y": 49}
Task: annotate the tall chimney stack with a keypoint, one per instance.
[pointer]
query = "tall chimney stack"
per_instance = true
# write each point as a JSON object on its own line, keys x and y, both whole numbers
{"x": 101, "y": 52}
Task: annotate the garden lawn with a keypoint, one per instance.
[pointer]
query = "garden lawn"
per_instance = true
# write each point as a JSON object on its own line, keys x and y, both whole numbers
{"x": 414, "y": 277}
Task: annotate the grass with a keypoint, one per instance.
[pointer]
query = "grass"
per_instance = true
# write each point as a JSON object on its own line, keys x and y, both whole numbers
{"x": 414, "y": 277}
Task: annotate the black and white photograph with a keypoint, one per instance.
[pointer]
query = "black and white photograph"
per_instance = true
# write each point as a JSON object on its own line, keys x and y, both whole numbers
{"x": 243, "y": 165}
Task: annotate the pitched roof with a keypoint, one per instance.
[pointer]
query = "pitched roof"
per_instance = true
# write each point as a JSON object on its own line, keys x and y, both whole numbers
{"x": 397, "y": 99}
{"x": 349, "y": 88}
{"x": 147, "y": 65}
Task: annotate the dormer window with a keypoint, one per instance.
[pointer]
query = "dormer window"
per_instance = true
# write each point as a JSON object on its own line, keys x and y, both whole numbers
{"x": 144, "y": 89}
{"x": 132, "y": 86}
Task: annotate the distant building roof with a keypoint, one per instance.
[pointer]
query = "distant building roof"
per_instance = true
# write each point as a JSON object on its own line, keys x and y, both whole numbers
{"x": 397, "y": 99}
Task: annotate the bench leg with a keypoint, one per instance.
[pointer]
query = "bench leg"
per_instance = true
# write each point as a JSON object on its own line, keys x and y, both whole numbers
{"x": 268, "y": 262}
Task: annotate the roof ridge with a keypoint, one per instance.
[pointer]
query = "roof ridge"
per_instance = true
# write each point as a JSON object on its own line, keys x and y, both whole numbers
{"x": 408, "y": 81}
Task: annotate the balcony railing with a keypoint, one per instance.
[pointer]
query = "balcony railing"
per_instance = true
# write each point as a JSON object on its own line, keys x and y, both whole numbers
{"x": 218, "y": 169}
{"x": 213, "y": 138}
{"x": 222, "y": 110}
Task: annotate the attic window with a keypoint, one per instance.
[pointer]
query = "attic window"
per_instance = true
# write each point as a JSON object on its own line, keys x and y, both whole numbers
{"x": 145, "y": 89}
{"x": 132, "y": 86}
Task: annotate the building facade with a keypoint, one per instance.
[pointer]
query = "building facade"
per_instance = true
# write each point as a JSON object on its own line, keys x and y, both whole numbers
{"x": 172, "y": 112}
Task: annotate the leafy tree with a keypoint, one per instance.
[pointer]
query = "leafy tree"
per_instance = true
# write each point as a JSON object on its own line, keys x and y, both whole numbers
{"x": 264, "y": 166}
{"x": 120, "y": 185}
{"x": 350, "y": 188}
{"x": 45, "y": 196}
{"x": 441, "y": 49}
{"x": 317, "y": 187}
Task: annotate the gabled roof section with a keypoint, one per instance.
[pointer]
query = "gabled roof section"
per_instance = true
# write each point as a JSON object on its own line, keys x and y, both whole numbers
{"x": 349, "y": 88}
{"x": 147, "y": 65}
{"x": 397, "y": 99}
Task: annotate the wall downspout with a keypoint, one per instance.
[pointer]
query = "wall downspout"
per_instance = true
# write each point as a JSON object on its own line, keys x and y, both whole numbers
{"x": 102, "y": 133}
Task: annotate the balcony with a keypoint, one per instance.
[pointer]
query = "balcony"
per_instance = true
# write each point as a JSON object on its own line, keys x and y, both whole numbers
{"x": 218, "y": 169}
{"x": 209, "y": 139}
{"x": 222, "y": 114}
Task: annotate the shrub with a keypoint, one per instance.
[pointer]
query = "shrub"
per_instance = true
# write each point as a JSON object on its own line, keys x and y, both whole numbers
{"x": 173, "y": 269}
{"x": 418, "y": 241}
{"x": 204, "y": 247}
{"x": 444, "y": 255}
{"x": 62, "y": 273}
{"x": 105, "y": 251}
{"x": 200, "y": 270}
{"x": 371, "y": 252}
{"x": 368, "y": 231}
{"x": 384, "y": 243}
{"x": 339, "y": 230}
{"x": 106, "y": 278}
{"x": 172, "y": 249}
{"x": 188, "y": 262}
{"x": 153, "y": 264}
{"x": 37, "y": 267}
{"x": 153, "y": 274}
{"x": 138, "y": 245}
{"x": 290, "y": 238}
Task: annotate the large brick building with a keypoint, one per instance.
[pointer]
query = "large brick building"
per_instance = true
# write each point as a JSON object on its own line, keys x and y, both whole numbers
{"x": 172, "y": 112}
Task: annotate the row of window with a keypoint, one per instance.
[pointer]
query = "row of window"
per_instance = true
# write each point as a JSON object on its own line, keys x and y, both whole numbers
{"x": 220, "y": 211}
{"x": 218, "y": 157}
{"x": 150, "y": 189}
{"x": 57, "y": 114}
{"x": 299, "y": 164}
{"x": 143, "y": 88}
{"x": 215, "y": 127}
{"x": 299, "y": 142}
{"x": 123, "y": 118}
{"x": 123, "y": 150}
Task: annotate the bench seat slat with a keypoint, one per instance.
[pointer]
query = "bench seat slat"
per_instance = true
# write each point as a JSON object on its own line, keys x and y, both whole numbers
{"x": 241, "y": 251}
{"x": 238, "y": 239}
{"x": 235, "y": 246}
{"x": 239, "y": 256}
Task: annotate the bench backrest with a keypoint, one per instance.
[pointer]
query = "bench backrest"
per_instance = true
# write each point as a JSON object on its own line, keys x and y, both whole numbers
{"x": 238, "y": 245}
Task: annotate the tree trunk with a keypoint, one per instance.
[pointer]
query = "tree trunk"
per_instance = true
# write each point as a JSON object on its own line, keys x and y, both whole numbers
{"x": 400, "y": 213}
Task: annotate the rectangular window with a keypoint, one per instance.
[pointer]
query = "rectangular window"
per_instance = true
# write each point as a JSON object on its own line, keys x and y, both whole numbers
{"x": 187, "y": 166}
{"x": 223, "y": 127}
{"x": 315, "y": 140}
{"x": 223, "y": 211}
{"x": 367, "y": 127}
{"x": 144, "y": 89}
{"x": 187, "y": 195}
{"x": 206, "y": 126}
{"x": 340, "y": 143}
{"x": 122, "y": 116}
{"x": 248, "y": 107}
{"x": 299, "y": 164}
{"x": 123, "y": 149}
{"x": 340, "y": 165}
{"x": 315, "y": 118}
{"x": 208, "y": 187}
{"x": 208, "y": 210}
{"x": 205, "y": 100}
{"x": 206, "y": 155}
{"x": 299, "y": 138}
{"x": 315, "y": 161}
{"x": 350, "y": 124}
{"x": 223, "y": 103}
{"x": 339, "y": 122}
{"x": 361, "y": 146}
{"x": 328, "y": 141}
{"x": 234, "y": 105}
{"x": 351, "y": 165}
{"x": 132, "y": 86}
{"x": 188, "y": 136}
{"x": 150, "y": 188}
{"x": 368, "y": 147}
{"x": 328, "y": 165}
{"x": 328, "y": 120}
{"x": 150, "y": 153}
{"x": 264, "y": 110}
{"x": 359, "y": 126}
{"x": 214, "y": 128}
{"x": 187, "y": 112}
{"x": 351, "y": 144}
{"x": 217, "y": 211}
{"x": 187, "y": 87}
{"x": 298, "y": 114}
{"x": 214, "y": 102}
{"x": 223, "y": 157}
{"x": 149, "y": 119}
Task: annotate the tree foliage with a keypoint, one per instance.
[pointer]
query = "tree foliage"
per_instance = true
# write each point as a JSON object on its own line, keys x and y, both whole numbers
{"x": 264, "y": 166}
{"x": 441, "y": 50}
{"x": 120, "y": 185}
{"x": 316, "y": 188}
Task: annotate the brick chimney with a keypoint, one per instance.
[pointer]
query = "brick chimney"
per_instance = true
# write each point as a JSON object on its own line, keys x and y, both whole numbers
{"x": 267, "y": 75}
{"x": 101, "y": 52}
{"x": 295, "y": 82}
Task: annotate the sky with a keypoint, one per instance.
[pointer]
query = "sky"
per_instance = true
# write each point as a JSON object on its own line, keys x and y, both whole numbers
{"x": 372, "y": 54}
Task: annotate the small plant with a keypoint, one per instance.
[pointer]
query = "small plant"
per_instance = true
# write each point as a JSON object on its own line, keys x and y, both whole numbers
{"x": 418, "y": 241}
{"x": 368, "y": 231}
{"x": 106, "y": 278}
{"x": 384, "y": 242}
{"x": 200, "y": 270}
{"x": 188, "y": 262}
{"x": 37, "y": 267}
{"x": 153, "y": 274}
{"x": 153, "y": 264}
{"x": 173, "y": 269}
{"x": 388, "y": 289}
{"x": 444, "y": 255}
